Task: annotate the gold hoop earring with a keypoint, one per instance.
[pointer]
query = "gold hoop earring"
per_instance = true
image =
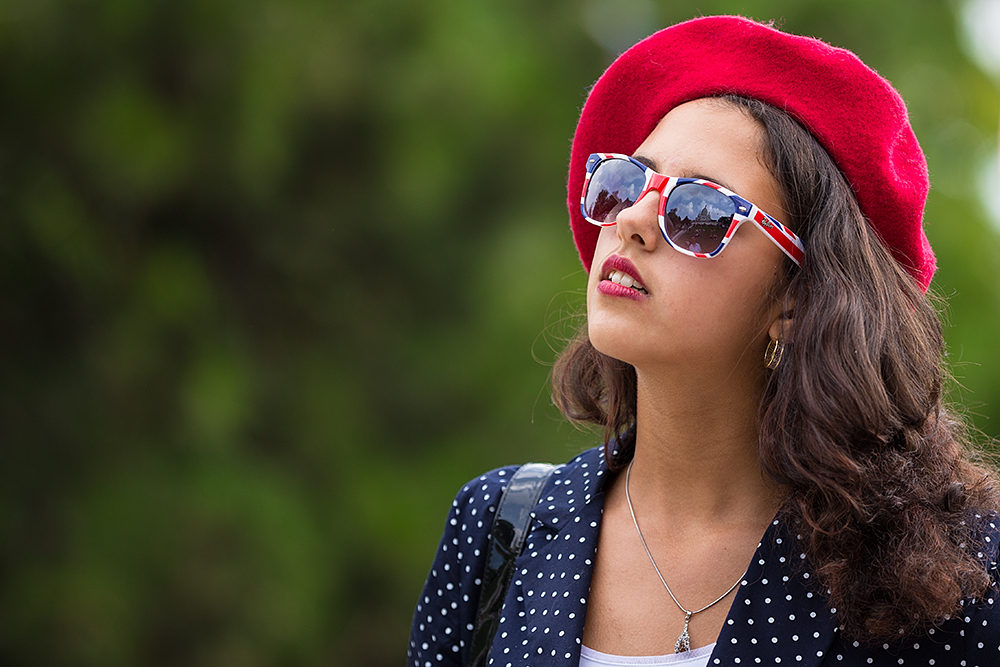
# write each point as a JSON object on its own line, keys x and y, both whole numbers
{"x": 773, "y": 353}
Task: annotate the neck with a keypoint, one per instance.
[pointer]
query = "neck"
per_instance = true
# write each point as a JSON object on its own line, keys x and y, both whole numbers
{"x": 696, "y": 448}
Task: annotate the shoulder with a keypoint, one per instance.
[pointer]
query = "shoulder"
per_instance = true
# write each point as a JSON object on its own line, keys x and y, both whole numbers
{"x": 583, "y": 473}
{"x": 445, "y": 612}
{"x": 467, "y": 528}
{"x": 479, "y": 496}
{"x": 982, "y": 614}
{"x": 482, "y": 493}
{"x": 443, "y": 619}
{"x": 471, "y": 515}
{"x": 475, "y": 504}
{"x": 974, "y": 633}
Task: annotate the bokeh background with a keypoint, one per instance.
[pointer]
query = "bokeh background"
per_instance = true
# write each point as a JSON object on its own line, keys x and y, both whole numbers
{"x": 278, "y": 276}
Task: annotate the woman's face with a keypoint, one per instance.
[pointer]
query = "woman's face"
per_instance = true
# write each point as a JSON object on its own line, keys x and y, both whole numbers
{"x": 711, "y": 315}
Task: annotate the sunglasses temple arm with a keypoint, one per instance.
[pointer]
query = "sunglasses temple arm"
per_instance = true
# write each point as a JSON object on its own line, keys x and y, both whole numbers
{"x": 789, "y": 243}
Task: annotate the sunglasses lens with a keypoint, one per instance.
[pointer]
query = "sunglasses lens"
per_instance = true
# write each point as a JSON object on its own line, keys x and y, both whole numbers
{"x": 614, "y": 185}
{"x": 697, "y": 217}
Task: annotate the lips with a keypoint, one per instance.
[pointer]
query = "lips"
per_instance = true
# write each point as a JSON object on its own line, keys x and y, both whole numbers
{"x": 620, "y": 271}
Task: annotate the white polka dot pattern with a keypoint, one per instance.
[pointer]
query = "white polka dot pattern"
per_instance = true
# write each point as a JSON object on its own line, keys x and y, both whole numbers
{"x": 780, "y": 615}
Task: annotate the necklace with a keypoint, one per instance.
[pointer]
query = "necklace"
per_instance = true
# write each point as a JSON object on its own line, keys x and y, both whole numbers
{"x": 684, "y": 641}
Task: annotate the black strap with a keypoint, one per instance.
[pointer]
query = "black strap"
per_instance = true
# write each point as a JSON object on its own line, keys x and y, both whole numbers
{"x": 510, "y": 527}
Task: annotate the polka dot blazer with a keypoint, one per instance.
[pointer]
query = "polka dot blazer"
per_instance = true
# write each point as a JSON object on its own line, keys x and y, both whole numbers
{"x": 779, "y": 616}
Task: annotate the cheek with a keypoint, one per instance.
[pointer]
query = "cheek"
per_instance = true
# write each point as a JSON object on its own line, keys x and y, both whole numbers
{"x": 606, "y": 242}
{"x": 720, "y": 305}
{"x": 744, "y": 300}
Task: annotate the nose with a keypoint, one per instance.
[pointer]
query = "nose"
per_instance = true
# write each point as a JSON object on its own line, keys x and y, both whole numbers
{"x": 640, "y": 221}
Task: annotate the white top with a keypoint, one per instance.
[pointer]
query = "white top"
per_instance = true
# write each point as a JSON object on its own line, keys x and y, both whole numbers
{"x": 694, "y": 658}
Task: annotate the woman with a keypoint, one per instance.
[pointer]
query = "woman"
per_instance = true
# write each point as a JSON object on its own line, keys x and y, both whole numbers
{"x": 780, "y": 481}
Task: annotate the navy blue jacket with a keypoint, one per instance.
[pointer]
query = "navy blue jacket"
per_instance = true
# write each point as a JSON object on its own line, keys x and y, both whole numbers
{"x": 779, "y": 615}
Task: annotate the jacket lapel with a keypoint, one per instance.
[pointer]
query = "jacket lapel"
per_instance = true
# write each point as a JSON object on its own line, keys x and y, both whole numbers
{"x": 779, "y": 614}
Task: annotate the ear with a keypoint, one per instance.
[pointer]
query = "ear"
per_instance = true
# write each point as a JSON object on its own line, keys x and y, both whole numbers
{"x": 781, "y": 325}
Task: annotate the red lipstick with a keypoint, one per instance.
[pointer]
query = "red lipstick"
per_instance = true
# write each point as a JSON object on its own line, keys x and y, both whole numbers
{"x": 610, "y": 288}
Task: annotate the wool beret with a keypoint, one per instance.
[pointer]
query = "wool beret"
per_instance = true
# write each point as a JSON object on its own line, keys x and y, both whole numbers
{"x": 855, "y": 114}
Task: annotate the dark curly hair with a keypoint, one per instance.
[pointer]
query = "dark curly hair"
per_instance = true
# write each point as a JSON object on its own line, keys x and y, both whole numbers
{"x": 879, "y": 477}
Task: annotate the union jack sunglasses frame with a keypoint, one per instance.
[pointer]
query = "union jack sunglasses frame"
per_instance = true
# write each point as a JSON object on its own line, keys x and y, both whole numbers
{"x": 781, "y": 236}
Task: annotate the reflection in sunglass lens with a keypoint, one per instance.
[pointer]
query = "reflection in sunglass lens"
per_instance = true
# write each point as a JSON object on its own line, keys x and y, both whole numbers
{"x": 614, "y": 185}
{"x": 697, "y": 217}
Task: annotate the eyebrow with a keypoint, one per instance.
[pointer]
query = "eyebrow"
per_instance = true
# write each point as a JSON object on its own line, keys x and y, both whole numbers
{"x": 652, "y": 165}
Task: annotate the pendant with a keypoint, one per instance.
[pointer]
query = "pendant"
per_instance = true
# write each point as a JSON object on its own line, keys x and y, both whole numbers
{"x": 684, "y": 641}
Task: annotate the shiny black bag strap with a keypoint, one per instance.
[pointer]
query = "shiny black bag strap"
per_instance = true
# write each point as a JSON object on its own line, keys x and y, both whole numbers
{"x": 510, "y": 527}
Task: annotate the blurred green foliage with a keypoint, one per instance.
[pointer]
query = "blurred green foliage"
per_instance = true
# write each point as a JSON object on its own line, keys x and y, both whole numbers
{"x": 278, "y": 276}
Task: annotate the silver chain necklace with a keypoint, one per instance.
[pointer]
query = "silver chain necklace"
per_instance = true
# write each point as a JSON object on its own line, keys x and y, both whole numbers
{"x": 684, "y": 641}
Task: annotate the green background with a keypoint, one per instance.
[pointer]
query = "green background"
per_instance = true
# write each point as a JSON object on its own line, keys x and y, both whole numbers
{"x": 278, "y": 276}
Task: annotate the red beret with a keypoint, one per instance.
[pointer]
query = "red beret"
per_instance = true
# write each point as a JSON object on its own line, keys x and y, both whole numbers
{"x": 855, "y": 114}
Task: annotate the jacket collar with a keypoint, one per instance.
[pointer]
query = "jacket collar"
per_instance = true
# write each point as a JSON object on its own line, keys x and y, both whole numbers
{"x": 574, "y": 486}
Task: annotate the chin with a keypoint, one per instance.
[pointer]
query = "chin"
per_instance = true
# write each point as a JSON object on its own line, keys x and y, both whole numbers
{"x": 614, "y": 345}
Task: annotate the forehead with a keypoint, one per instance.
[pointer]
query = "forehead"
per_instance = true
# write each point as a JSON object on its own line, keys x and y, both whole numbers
{"x": 704, "y": 130}
{"x": 708, "y": 138}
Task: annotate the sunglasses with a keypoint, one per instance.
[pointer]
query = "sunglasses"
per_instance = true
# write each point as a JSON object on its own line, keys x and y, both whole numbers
{"x": 697, "y": 217}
